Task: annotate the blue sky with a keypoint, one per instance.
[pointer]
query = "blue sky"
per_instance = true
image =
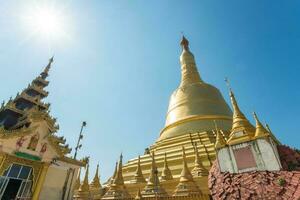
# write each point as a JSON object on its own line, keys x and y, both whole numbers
{"x": 117, "y": 64}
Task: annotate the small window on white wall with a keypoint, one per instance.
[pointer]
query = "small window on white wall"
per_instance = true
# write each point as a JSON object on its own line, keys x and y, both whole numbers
{"x": 244, "y": 158}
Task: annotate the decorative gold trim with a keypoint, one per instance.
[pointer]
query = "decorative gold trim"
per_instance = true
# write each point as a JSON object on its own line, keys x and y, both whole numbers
{"x": 5, "y": 134}
{"x": 194, "y": 118}
{"x": 72, "y": 161}
{"x": 40, "y": 181}
{"x": 7, "y": 160}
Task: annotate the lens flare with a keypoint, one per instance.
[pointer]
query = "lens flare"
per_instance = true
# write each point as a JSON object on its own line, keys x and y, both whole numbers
{"x": 45, "y": 21}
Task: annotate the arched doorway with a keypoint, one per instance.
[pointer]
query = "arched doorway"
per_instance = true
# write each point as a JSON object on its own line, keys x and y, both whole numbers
{"x": 16, "y": 183}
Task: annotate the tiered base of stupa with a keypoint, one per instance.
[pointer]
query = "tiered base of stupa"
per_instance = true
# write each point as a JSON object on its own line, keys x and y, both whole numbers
{"x": 173, "y": 147}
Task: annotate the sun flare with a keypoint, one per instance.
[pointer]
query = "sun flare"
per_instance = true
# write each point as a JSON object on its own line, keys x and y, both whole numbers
{"x": 46, "y": 22}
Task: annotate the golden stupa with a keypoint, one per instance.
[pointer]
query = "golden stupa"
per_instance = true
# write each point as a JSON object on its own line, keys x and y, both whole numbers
{"x": 195, "y": 109}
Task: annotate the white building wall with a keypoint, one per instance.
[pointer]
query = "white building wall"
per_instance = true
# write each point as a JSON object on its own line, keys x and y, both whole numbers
{"x": 268, "y": 155}
{"x": 224, "y": 160}
{"x": 56, "y": 179}
{"x": 53, "y": 185}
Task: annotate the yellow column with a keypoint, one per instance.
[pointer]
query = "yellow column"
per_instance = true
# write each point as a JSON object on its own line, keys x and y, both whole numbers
{"x": 40, "y": 182}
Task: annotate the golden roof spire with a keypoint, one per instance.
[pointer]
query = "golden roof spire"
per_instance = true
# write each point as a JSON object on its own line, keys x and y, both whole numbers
{"x": 166, "y": 172}
{"x": 185, "y": 173}
{"x": 189, "y": 71}
{"x": 117, "y": 190}
{"x": 260, "y": 129}
{"x": 44, "y": 74}
{"x": 138, "y": 176}
{"x": 77, "y": 182}
{"x": 199, "y": 169}
{"x": 220, "y": 141}
{"x": 138, "y": 195}
{"x": 84, "y": 187}
{"x": 114, "y": 174}
{"x": 118, "y": 179}
{"x": 153, "y": 187}
{"x": 184, "y": 43}
{"x": 96, "y": 182}
{"x": 240, "y": 122}
{"x": 186, "y": 185}
{"x": 153, "y": 178}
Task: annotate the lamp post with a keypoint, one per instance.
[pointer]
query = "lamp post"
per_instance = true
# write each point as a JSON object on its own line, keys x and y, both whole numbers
{"x": 78, "y": 146}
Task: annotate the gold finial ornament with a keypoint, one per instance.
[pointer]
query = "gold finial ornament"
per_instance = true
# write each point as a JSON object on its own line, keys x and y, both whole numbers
{"x": 220, "y": 141}
{"x": 138, "y": 176}
{"x": 186, "y": 186}
{"x": 138, "y": 195}
{"x": 153, "y": 177}
{"x": 199, "y": 169}
{"x": 166, "y": 172}
{"x": 84, "y": 189}
{"x": 96, "y": 181}
{"x": 260, "y": 130}
{"x": 95, "y": 186}
{"x": 117, "y": 189}
{"x": 77, "y": 182}
{"x": 153, "y": 187}
{"x": 185, "y": 173}
{"x": 118, "y": 179}
{"x": 189, "y": 69}
{"x": 184, "y": 43}
{"x": 114, "y": 174}
{"x": 240, "y": 122}
{"x": 45, "y": 73}
{"x": 85, "y": 184}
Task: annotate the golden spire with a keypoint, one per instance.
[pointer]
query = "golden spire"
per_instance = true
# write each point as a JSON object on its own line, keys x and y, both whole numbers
{"x": 114, "y": 174}
{"x": 153, "y": 178}
{"x": 84, "y": 187}
{"x": 199, "y": 169}
{"x": 240, "y": 122}
{"x": 44, "y": 74}
{"x": 186, "y": 185}
{"x": 185, "y": 173}
{"x": 138, "y": 176}
{"x": 260, "y": 129}
{"x": 96, "y": 182}
{"x": 138, "y": 195}
{"x": 117, "y": 190}
{"x": 189, "y": 72}
{"x": 118, "y": 179}
{"x": 220, "y": 141}
{"x": 77, "y": 182}
{"x": 83, "y": 192}
{"x": 184, "y": 43}
{"x": 166, "y": 172}
{"x": 153, "y": 187}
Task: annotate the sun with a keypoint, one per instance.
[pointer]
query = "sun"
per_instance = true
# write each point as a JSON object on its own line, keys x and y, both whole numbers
{"x": 45, "y": 22}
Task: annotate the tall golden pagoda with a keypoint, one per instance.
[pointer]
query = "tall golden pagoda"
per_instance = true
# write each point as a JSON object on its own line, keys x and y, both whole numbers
{"x": 194, "y": 109}
{"x": 31, "y": 148}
